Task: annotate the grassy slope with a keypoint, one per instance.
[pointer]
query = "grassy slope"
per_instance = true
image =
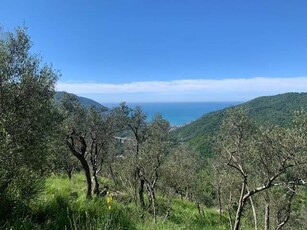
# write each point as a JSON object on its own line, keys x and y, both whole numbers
{"x": 270, "y": 109}
{"x": 56, "y": 208}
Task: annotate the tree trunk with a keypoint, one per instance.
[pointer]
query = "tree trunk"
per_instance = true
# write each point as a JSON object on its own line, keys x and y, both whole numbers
{"x": 135, "y": 193}
{"x": 153, "y": 198}
{"x": 96, "y": 184}
{"x": 267, "y": 217}
{"x": 141, "y": 192}
{"x": 112, "y": 175}
{"x": 95, "y": 165}
{"x": 187, "y": 193}
{"x": 254, "y": 212}
{"x": 69, "y": 173}
{"x": 285, "y": 218}
{"x": 229, "y": 210}
{"x": 267, "y": 211}
{"x": 87, "y": 173}
{"x": 219, "y": 201}
{"x": 149, "y": 195}
{"x": 200, "y": 210}
{"x": 81, "y": 157}
{"x": 240, "y": 208}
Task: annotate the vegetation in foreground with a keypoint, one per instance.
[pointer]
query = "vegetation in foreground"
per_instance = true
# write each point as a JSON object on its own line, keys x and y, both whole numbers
{"x": 255, "y": 178}
{"x": 62, "y": 205}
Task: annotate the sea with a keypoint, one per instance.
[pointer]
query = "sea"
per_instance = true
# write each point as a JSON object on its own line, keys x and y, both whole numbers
{"x": 178, "y": 113}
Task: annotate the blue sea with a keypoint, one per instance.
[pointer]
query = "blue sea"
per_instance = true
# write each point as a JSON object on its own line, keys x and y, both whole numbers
{"x": 178, "y": 113}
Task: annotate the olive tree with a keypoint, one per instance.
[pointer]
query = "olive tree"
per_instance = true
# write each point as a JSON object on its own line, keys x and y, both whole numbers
{"x": 152, "y": 156}
{"x": 77, "y": 133}
{"x": 90, "y": 136}
{"x": 27, "y": 116}
{"x": 180, "y": 171}
{"x": 103, "y": 126}
{"x": 260, "y": 158}
{"x": 135, "y": 121}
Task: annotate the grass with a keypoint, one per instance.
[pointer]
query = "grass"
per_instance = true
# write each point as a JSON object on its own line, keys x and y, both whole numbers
{"x": 62, "y": 205}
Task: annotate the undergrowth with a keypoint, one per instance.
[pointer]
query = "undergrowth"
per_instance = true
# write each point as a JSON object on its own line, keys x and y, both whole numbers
{"x": 62, "y": 205}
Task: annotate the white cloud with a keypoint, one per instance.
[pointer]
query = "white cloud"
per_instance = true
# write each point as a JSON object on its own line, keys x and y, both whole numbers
{"x": 196, "y": 89}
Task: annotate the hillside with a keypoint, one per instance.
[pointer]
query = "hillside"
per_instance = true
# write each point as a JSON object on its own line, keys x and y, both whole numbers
{"x": 86, "y": 102}
{"x": 276, "y": 109}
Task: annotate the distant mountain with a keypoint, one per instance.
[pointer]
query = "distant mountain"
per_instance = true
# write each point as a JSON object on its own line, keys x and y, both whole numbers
{"x": 86, "y": 102}
{"x": 276, "y": 110}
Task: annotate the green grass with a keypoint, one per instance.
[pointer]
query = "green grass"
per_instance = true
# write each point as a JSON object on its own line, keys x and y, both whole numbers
{"x": 62, "y": 205}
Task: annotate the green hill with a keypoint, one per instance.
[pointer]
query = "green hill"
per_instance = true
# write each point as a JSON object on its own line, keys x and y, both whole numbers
{"x": 269, "y": 109}
{"x": 86, "y": 102}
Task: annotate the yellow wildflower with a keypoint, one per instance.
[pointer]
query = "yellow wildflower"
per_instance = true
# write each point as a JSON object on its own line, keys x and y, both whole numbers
{"x": 109, "y": 200}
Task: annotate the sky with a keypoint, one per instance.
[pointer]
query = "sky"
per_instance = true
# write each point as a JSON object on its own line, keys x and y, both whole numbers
{"x": 168, "y": 50}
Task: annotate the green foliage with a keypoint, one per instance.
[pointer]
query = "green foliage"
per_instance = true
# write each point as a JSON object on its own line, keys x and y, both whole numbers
{"x": 263, "y": 163}
{"x": 27, "y": 120}
{"x": 63, "y": 205}
{"x": 34, "y": 135}
{"x": 273, "y": 110}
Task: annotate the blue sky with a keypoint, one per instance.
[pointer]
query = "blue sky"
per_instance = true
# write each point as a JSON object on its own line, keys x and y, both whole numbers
{"x": 168, "y": 50}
